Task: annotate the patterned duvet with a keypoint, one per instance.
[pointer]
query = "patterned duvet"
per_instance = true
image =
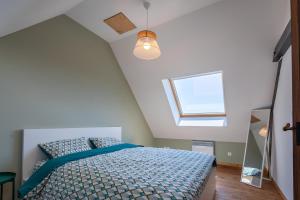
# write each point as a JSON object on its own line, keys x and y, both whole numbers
{"x": 134, "y": 173}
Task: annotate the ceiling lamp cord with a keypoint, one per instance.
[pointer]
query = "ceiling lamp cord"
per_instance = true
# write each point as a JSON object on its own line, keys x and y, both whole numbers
{"x": 147, "y": 6}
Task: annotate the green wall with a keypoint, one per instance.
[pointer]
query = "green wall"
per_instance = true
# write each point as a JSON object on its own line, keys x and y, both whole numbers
{"x": 58, "y": 74}
{"x": 222, "y": 148}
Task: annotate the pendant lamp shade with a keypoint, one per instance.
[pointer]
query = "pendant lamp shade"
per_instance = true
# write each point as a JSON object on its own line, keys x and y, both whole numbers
{"x": 146, "y": 47}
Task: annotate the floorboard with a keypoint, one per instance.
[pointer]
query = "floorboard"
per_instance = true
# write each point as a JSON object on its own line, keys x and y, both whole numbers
{"x": 229, "y": 187}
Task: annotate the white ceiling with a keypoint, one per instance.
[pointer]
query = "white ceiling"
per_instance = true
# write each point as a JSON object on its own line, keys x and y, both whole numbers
{"x": 19, "y": 14}
{"x": 91, "y": 13}
{"x": 235, "y": 36}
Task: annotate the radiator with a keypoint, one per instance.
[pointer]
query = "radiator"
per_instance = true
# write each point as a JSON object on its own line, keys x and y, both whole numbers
{"x": 204, "y": 146}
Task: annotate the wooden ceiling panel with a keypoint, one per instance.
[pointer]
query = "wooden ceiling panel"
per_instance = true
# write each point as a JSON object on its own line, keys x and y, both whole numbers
{"x": 120, "y": 23}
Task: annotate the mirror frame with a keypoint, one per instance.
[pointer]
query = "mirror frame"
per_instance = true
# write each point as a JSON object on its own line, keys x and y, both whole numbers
{"x": 265, "y": 149}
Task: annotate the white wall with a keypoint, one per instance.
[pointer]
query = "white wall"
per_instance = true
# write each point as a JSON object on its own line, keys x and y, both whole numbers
{"x": 235, "y": 36}
{"x": 282, "y": 151}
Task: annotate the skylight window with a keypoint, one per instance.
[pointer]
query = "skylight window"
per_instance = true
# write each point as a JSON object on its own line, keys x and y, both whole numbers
{"x": 200, "y": 95}
{"x": 197, "y": 100}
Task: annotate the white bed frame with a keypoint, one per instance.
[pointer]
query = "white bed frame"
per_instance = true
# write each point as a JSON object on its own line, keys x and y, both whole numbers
{"x": 32, "y": 137}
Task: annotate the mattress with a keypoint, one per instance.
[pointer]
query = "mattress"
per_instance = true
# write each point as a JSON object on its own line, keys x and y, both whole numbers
{"x": 126, "y": 173}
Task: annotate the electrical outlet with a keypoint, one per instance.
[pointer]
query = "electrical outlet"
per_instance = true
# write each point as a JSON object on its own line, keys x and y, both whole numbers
{"x": 229, "y": 154}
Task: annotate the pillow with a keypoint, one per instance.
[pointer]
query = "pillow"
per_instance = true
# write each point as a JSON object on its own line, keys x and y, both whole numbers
{"x": 64, "y": 147}
{"x": 104, "y": 142}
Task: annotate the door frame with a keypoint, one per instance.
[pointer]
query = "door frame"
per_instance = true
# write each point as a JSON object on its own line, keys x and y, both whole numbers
{"x": 295, "y": 16}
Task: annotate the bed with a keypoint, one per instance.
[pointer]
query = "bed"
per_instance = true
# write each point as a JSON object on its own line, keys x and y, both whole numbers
{"x": 123, "y": 171}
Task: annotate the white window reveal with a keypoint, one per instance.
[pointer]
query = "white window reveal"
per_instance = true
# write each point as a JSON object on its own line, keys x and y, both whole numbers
{"x": 197, "y": 100}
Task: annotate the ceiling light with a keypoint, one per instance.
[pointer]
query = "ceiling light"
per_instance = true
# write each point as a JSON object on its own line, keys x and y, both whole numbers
{"x": 146, "y": 47}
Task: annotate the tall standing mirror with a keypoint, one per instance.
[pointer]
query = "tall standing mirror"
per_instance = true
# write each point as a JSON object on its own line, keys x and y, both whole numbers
{"x": 255, "y": 150}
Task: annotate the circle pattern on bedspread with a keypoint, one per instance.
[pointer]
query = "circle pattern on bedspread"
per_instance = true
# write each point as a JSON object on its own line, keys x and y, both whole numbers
{"x": 137, "y": 173}
{"x": 104, "y": 142}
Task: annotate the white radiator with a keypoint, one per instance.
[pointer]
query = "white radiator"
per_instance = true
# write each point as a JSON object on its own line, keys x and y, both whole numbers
{"x": 203, "y": 146}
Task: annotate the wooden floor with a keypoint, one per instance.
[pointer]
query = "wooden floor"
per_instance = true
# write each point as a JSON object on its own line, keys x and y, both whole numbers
{"x": 229, "y": 187}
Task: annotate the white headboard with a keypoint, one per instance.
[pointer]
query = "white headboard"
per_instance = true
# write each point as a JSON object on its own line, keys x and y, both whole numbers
{"x": 31, "y": 153}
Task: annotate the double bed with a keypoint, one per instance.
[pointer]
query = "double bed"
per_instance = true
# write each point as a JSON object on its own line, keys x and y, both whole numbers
{"x": 123, "y": 171}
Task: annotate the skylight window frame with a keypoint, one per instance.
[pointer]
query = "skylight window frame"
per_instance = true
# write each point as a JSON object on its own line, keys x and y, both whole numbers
{"x": 195, "y": 115}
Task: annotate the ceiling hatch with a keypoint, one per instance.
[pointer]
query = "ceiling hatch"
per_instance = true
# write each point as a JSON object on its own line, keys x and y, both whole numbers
{"x": 120, "y": 23}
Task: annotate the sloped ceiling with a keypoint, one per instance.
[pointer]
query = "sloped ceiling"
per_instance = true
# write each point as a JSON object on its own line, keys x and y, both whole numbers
{"x": 91, "y": 13}
{"x": 19, "y": 14}
{"x": 237, "y": 37}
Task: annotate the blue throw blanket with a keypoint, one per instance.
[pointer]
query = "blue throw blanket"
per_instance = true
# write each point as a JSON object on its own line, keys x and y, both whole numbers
{"x": 39, "y": 175}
